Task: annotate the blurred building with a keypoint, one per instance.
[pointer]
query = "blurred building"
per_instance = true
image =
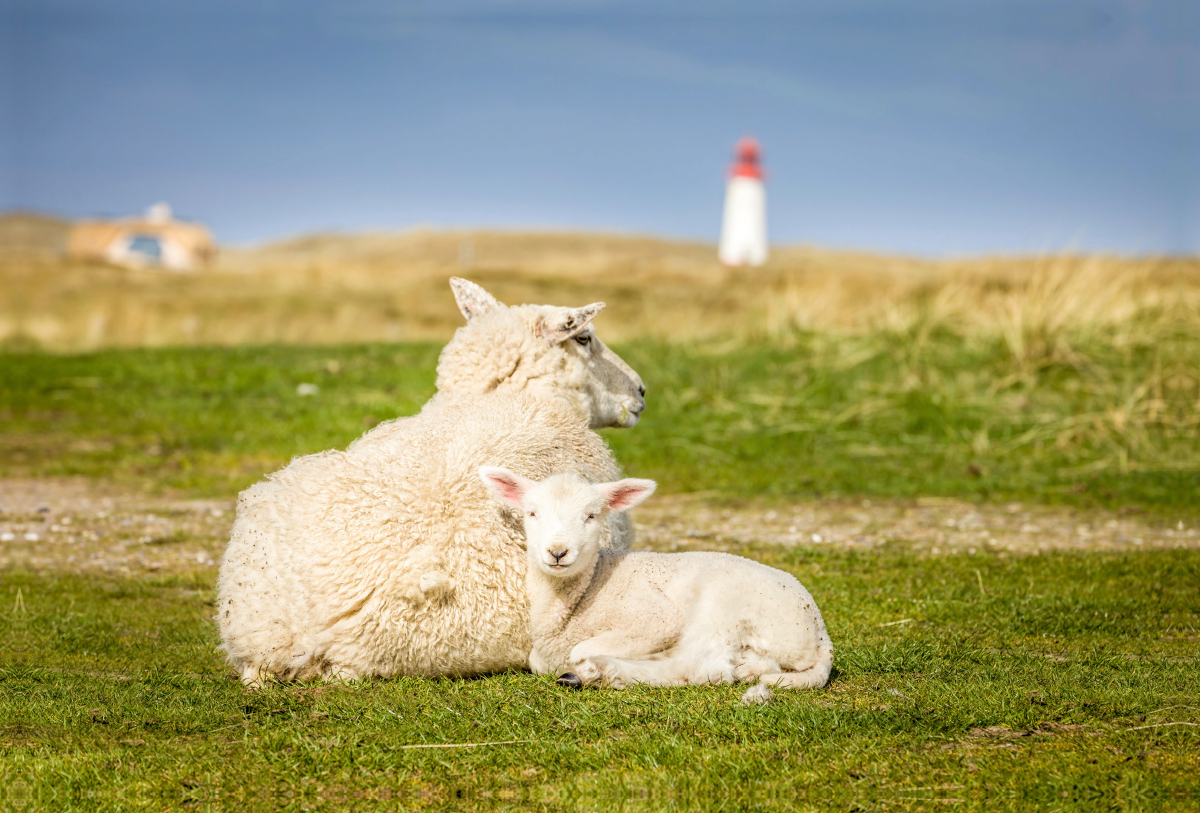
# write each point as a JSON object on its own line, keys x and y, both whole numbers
{"x": 744, "y": 228}
{"x": 154, "y": 241}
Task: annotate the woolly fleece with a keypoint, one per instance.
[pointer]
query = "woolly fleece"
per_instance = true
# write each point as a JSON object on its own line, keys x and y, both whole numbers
{"x": 390, "y": 557}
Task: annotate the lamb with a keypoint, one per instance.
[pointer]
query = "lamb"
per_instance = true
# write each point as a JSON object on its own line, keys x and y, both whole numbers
{"x": 390, "y": 557}
{"x": 620, "y": 617}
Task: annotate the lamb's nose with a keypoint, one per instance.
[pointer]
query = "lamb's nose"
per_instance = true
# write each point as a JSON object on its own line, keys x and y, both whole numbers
{"x": 558, "y": 554}
{"x": 642, "y": 390}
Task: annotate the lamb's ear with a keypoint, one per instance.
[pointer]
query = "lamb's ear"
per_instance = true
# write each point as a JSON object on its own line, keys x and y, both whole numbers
{"x": 472, "y": 300}
{"x": 566, "y": 322}
{"x": 627, "y": 493}
{"x": 506, "y": 486}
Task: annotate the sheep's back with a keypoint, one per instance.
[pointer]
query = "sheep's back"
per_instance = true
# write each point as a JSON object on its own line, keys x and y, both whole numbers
{"x": 361, "y": 527}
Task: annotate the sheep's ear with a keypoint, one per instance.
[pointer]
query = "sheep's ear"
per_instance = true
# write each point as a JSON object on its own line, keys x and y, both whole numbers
{"x": 627, "y": 493}
{"x": 507, "y": 487}
{"x": 472, "y": 300}
{"x": 566, "y": 322}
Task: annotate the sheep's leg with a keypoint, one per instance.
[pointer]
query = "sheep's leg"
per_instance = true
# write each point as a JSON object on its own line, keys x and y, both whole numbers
{"x": 622, "y": 672}
{"x": 813, "y": 678}
{"x": 338, "y": 674}
{"x": 537, "y": 663}
{"x": 612, "y": 645}
{"x": 253, "y": 676}
{"x": 620, "y": 644}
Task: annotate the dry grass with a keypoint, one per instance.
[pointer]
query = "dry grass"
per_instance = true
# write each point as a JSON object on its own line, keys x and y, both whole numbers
{"x": 392, "y": 287}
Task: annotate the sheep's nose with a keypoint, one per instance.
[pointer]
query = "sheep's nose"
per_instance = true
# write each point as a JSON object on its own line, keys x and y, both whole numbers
{"x": 558, "y": 554}
{"x": 642, "y": 390}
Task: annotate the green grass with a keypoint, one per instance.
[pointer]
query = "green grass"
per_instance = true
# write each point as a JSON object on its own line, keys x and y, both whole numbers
{"x": 880, "y": 414}
{"x": 113, "y": 698}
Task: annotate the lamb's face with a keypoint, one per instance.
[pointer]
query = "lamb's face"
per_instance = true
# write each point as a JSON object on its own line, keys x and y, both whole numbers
{"x": 563, "y": 514}
{"x": 562, "y": 524}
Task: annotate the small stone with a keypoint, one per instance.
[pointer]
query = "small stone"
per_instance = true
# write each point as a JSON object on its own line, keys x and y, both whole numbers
{"x": 31, "y": 537}
{"x": 307, "y": 389}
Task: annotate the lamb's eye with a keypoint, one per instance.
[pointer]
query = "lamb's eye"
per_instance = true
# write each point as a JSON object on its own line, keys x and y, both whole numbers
{"x": 590, "y": 516}
{"x": 583, "y": 339}
{"x": 531, "y": 515}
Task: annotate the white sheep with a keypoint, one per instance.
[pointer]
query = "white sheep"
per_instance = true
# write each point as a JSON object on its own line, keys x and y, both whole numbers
{"x": 390, "y": 557}
{"x": 622, "y": 617}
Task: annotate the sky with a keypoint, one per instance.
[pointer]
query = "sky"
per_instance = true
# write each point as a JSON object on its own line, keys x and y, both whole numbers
{"x": 931, "y": 127}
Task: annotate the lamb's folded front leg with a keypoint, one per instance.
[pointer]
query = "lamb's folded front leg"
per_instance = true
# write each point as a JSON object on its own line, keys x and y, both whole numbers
{"x": 622, "y": 672}
{"x": 615, "y": 645}
{"x": 622, "y": 644}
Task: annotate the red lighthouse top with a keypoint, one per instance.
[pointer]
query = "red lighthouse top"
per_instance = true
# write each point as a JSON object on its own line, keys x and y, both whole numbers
{"x": 748, "y": 162}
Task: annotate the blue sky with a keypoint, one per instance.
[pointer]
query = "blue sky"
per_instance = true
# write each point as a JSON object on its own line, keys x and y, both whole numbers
{"x": 929, "y": 127}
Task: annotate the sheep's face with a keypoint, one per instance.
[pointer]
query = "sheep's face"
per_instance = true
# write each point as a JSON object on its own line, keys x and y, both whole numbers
{"x": 613, "y": 392}
{"x": 563, "y": 515}
{"x": 540, "y": 348}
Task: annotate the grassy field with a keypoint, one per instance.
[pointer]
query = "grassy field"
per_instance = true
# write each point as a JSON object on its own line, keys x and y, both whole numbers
{"x": 971, "y": 679}
{"x": 1055, "y": 682}
{"x": 986, "y": 680}
{"x": 874, "y": 415}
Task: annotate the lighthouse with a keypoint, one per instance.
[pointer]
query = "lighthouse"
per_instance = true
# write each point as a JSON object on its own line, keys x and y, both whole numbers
{"x": 744, "y": 229}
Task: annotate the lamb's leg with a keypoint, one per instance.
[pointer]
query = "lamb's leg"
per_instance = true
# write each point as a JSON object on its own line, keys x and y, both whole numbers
{"x": 621, "y": 644}
{"x": 581, "y": 668}
{"x": 813, "y": 678}
{"x": 622, "y": 672}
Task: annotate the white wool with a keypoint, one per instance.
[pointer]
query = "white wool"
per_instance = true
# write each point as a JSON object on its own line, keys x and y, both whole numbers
{"x": 389, "y": 557}
{"x": 621, "y": 617}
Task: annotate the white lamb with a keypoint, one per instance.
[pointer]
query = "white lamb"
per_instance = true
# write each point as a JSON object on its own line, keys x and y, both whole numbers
{"x": 390, "y": 557}
{"x": 621, "y": 617}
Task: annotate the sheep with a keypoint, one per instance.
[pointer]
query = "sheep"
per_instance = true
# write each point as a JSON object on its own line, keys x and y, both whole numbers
{"x": 390, "y": 557}
{"x": 548, "y": 351}
{"x": 620, "y": 617}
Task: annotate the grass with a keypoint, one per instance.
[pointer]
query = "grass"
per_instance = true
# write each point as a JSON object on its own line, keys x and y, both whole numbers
{"x": 1015, "y": 682}
{"x": 338, "y": 289}
{"x": 1063, "y": 681}
{"x": 880, "y": 414}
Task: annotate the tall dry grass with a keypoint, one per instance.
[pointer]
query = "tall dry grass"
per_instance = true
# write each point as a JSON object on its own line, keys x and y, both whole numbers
{"x": 392, "y": 287}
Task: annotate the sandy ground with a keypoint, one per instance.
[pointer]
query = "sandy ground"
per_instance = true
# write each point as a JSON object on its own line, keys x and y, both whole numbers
{"x": 85, "y": 526}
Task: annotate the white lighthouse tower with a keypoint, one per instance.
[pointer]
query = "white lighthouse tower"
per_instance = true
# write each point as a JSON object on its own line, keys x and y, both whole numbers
{"x": 744, "y": 229}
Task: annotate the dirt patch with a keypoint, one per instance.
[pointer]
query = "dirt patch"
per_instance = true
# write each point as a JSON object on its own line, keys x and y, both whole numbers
{"x": 77, "y": 524}
{"x": 931, "y": 526}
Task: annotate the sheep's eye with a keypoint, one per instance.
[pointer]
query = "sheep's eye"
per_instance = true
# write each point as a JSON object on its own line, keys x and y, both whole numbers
{"x": 591, "y": 516}
{"x": 531, "y": 515}
{"x": 583, "y": 339}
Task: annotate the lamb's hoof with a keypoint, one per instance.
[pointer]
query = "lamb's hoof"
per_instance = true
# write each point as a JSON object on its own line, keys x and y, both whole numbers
{"x": 757, "y": 694}
{"x": 570, "y": 680}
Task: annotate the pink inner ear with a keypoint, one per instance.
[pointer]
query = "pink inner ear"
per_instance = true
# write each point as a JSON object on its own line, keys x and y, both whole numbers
{"x": 508, "y": 489}
{"x": 623, "y": 497}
